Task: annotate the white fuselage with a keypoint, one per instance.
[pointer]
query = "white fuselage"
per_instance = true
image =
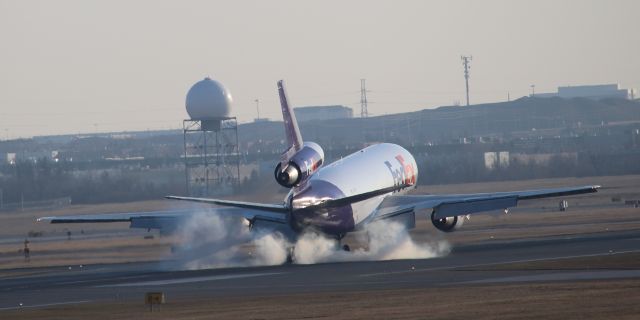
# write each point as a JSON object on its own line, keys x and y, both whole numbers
{"x": 373, "y": 168}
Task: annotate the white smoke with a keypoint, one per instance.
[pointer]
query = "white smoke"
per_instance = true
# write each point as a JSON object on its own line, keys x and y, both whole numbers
{"x": 270, "y": 249}
{"x": 216, "y": 241}
{"x": 386, "y": 241}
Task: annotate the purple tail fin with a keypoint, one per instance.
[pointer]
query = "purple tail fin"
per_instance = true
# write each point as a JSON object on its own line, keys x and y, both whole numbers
{"x": 294, "y": 139}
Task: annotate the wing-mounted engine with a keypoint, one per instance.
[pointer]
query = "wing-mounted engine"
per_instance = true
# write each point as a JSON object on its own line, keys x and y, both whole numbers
{"x": 447, "y": 224}
{"x": 300, "y": 166}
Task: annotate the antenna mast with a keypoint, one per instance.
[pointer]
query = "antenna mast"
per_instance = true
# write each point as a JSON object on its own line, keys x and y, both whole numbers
{"x": 466, "y": 63}
{"x": 364, "y": 113}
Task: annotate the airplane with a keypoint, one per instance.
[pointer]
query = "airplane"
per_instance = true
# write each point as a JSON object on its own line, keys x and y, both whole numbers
{"x": 341, "y": 197}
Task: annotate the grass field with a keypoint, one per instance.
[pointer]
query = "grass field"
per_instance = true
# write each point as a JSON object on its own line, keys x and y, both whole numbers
{"x": 592, "y": 299}
{"x": 612, "y": 299}
{"x": 115, "y": 242}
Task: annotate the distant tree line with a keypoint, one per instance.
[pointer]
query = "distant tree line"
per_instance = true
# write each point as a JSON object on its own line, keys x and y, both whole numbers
{"x": 459, "y": 168}
{"x": 45, "y": 179}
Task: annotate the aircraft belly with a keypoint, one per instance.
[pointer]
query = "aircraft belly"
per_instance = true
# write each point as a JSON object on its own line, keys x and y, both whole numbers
{"x": 333, "y": 221}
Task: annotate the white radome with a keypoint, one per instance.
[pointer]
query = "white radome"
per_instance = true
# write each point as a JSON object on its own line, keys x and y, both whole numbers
{"x": 208, "y": 99}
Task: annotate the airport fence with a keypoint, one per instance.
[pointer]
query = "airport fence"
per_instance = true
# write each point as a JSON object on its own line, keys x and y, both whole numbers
{"x": 43, "y": 204}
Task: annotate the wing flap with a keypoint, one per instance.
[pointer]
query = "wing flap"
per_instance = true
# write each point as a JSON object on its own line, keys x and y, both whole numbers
{"x": 390, "y": 214}
{"x": 261, "y": 217}
{"x": 161, "y": 223}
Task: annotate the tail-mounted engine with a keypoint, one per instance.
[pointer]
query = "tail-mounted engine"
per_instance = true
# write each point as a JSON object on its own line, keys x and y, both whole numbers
{"x": 301, "y": 165}
{"x": 447, "y": 224}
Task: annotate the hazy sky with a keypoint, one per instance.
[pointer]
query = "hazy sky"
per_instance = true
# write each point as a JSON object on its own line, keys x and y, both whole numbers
{"x": 85, "y": 66}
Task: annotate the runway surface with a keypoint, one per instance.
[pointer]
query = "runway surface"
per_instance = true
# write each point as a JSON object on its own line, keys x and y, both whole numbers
{"x": 466, "y": 265}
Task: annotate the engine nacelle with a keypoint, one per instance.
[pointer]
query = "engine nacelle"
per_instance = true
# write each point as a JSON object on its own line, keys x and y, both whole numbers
{"x": 448, "y": 224}
{"x": 301, "y": 166}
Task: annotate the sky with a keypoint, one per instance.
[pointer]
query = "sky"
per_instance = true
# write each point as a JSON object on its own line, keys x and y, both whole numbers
{"x": 85, "y": 66}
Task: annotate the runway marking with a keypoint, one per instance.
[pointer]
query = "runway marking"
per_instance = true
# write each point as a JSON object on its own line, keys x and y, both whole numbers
{"x": 592, "y": 275}
{"x": 45, "y": 305}
{"x": 190, "y": 280}
{"x": 96, "y": 280}
{"x": 497, "y": 263}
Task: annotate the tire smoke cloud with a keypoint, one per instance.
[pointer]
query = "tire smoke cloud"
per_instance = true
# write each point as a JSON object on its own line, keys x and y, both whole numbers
{"x": 216, "y": 241}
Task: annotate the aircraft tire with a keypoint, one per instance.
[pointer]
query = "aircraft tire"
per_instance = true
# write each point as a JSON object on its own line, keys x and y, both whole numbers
{"x": 290, "y": 256}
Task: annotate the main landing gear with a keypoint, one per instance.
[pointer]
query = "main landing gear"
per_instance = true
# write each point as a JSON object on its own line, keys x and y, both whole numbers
{"x": 339, "y": 247}
{"x": 344, "y": 247}
{"x": 290, "y": 255}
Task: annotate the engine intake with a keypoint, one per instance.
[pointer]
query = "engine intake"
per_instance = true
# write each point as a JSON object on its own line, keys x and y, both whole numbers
{"x": 301, "y": 166}
{"x": 447, "y": 224}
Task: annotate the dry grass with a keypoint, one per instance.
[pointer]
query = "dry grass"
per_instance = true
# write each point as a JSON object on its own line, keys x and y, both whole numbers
{"x": 614, "y": 261}
{"x": 106, "y": 249}
{"x": 19, "y": 223}
{"x": 611, "y": 299}
{"x": 119, "y": 244}
{"x": 628, "y": 185}
{"x": 577, "y": 300}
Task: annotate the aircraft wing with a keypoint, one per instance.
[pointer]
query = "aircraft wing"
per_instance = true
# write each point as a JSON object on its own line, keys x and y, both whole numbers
{"x": 239, "y": 204}
{"x": 165, "y": 220}
{"x": 463, "y": 204}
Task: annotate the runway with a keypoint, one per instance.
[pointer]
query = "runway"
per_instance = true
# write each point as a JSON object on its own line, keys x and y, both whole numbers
{"x": 470, "y": 264}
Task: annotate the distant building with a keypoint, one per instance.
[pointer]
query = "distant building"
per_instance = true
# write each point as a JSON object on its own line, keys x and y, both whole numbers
{"x": 322, "y": 113}
{"x": 494, "y": 160}
{"x": 543, "y": 159}
{"x": 11, "y": 158}
{"x": 600, "y": 91}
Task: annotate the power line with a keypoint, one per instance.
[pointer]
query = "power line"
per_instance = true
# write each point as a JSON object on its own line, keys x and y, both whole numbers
{"x": 466, "y": 63}
{"x": 363, "y": 99}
